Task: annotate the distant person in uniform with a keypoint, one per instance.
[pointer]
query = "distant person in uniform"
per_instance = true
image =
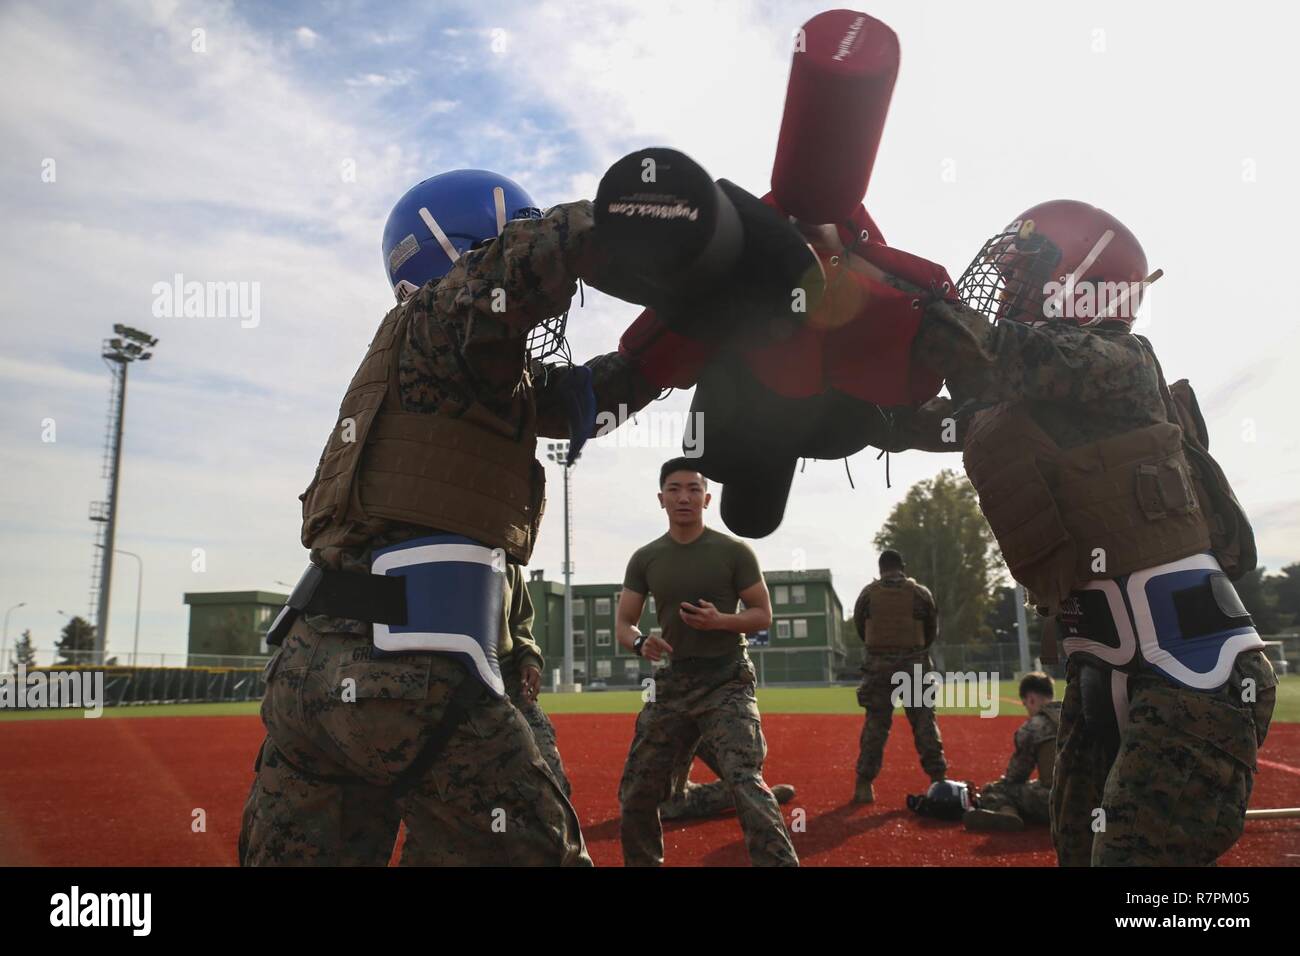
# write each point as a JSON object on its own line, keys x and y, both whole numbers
{"x": 1008, "y": 803}
{"x": 897, "y": 620}
{"x": 706, "y": 693}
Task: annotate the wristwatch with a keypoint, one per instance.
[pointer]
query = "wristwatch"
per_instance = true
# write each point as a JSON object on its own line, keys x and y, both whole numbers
{"x": 639, "y": 643}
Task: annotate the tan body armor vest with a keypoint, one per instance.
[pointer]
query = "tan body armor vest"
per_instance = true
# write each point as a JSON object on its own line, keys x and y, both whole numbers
{"x": 892, "y": 624}
{"x": 1101, "y": 510}
{"x": 473, "y": 474}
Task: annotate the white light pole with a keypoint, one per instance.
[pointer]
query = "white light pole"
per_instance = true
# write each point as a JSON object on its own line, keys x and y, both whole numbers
{"x": 1022, "y": 629}
{"x": 139, "y": 587}
{"x": 5, "y": 641}
{"x": 558, "y": 452}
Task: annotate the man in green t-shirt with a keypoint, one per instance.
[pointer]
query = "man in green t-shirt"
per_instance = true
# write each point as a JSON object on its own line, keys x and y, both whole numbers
{"x": 697, "y": 577}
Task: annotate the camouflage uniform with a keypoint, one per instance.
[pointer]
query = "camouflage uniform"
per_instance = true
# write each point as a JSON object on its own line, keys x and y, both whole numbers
{"x": 1174, "y": 790}
{"x": 875, "y": 692}
{"x": 540, "y": 725}
{"x": 330, "y": 786}
{"x": 1029, "y": 798}
{"x": 691, "y": 800}
{"x": 712, "y": 699}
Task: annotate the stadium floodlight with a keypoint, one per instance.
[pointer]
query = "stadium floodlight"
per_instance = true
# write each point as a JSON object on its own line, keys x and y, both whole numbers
{"x": 558, "y": 452}
{"x": 128, "y": 345}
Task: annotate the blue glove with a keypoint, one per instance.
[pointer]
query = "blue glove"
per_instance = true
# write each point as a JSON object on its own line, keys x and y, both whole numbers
{"x": 580, "y": 406}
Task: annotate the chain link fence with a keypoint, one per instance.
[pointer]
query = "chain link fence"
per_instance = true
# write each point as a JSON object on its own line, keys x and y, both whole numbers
{"x": 151, "y": 679}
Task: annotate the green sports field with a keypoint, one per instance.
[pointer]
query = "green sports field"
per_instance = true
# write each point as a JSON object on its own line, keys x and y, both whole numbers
{"x": 772, "y": 700}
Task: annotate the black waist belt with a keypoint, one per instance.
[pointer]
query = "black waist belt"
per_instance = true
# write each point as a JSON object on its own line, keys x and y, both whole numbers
{"x": 706, "y": 663}
{"x": 374, "y": 598}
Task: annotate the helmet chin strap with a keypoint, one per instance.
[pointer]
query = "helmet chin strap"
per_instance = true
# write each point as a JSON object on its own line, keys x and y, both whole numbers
{"x": 438, "y": 234}
{"x": 1123, "y": 297}
{"x": 499, "y": 200}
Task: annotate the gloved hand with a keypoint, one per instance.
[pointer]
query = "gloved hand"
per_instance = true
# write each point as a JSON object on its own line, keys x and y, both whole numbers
{"x": 665, "y": 358}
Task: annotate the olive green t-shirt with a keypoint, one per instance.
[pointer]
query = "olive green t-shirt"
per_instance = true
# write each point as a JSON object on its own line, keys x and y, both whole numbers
{"x": 715, "y": 567}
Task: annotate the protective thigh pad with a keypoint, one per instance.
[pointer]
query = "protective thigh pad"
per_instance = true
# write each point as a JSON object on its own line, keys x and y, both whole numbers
{"x": 1190, "y": 623}
{"x": 455, "y": 602}
{"x": 1094, "y": 622}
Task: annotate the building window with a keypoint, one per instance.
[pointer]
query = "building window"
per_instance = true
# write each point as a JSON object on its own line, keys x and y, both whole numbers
{"x": 781, "y": 595}
{"x": 602, "y": 607}
{"x": 656, "y": 632}
{"x": 800, "y": 627}
{"x": 579, "y": 608}
{"x": 579, "y": 670}
{"x": 602, "y": 638}
{"x": 632, "y": 669}
{"x": 782, "y": 629}
{"x": 604, "y": 668}
{"x": 652, "y": 604}
{"x": 579, "y": 639}
{"x": 798, "y": 594}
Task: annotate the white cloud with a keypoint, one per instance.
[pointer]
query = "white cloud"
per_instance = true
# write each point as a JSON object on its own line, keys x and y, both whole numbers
{"x": 395, "y": 78}
{"x": 307, "y": 37}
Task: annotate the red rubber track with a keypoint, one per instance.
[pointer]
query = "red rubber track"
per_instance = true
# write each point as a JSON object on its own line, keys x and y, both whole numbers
{"x": 123, "y": 793}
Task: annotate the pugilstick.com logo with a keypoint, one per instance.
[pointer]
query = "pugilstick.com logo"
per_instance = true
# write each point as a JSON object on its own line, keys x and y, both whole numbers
{"x": 53, "y": 689}
{"x": 75, "y": 908}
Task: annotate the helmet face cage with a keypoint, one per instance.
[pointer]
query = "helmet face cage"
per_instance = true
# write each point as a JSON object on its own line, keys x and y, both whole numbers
{"x": 1006, "y": 279}
{"x": 546, "y": 338}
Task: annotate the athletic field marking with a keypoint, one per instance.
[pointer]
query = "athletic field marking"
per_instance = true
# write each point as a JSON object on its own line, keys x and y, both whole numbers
{"x": 1285, "y": 767}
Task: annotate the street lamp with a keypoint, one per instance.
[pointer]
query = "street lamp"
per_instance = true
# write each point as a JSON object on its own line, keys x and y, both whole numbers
{"x": 5, "y": 641}
{"x": 139, "y": 587}
{"x": 558, "y": 452}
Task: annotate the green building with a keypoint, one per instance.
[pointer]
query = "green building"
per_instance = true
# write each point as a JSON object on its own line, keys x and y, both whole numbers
{"x": 805, "y": 644}
{"x": 230, "y": 623}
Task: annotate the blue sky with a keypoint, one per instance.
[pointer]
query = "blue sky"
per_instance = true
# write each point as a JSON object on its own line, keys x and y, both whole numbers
{"x": 227, "y": 164}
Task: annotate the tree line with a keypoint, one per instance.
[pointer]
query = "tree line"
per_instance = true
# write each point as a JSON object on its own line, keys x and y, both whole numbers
{"x": 949, "y": 547}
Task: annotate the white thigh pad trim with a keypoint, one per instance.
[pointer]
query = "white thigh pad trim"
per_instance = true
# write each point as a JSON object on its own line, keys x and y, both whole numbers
{"x": 1114, "y": 656}
{"x": 1148, "y": 639}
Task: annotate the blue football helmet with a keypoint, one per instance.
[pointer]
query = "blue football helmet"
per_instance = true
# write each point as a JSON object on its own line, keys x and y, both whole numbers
{"x": 442, "y": 218}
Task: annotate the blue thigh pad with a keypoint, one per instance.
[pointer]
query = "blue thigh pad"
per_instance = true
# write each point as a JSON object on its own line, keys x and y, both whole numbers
{"x": 455, "y": 602}
{"x": 1190, "y": 623}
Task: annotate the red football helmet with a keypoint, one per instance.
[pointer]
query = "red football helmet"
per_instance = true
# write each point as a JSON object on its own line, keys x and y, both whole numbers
{"x": 1059, "y": 260}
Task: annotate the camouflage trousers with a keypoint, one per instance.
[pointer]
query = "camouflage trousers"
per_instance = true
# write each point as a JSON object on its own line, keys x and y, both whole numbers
{"x": 712, "y": 701}
{"x": 341, "y": 729}
{"x": 542, "y": 728}
{"x": 875, "y": 693}
{"x": 1030, "y": 799}
{"x": 694, "y": 801}
{"x": 1175, "y": 792}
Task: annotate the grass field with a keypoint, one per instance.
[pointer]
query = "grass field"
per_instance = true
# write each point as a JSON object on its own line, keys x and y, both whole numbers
{"x": 772, "y": 700}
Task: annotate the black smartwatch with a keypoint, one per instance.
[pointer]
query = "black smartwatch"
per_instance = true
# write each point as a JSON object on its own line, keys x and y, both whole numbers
{"x": 639, "y": 643}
